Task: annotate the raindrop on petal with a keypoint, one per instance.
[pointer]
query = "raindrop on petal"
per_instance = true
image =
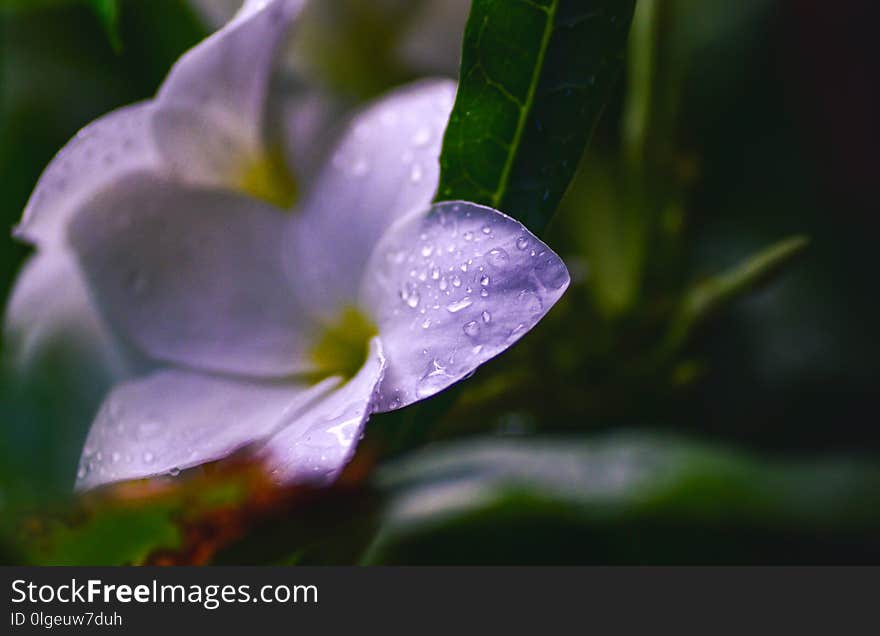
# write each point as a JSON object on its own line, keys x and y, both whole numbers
{"x": 422, "y": 137}
{"x": 552, "y": 273}
{"x": 531, "y": 301}
{"x": 458, "y": 305}
{"x": 471, "y": 328}
{"x": 415, "y": 173}
{"x": 497, "y": 257}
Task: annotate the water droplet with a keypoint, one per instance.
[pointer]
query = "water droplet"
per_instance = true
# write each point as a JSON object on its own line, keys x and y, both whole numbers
{"x": 552, "y": 273}
{"x": 458, "y": 305}
{"x": 148, "y": 428}
{"x": 463, "y": 267}
{"x": 82, "y": 472}
{"x": 522, "y": 243}
{"x": 415, "y": 173}
{"x": 477, "y": 350}
{"x": 487, "y": 317}
{"x": 497, "y": 257}
{"x": 427, "y": 250}
{"x": 422, "y": 137}
{"x": 484, "y": 293}
{"x": 115, "y": 457}
{"x": 471, "y": 328}
{"x": 468, "y": 236}
{"x": 484, "y": 280}
{"x": 532, "y": 303}
{"x": 456, "y": 281}
{"x": 174, "y": 472}
{"x": 487, "y": 229}
{"x": 149, "y": 457}
{"x": 434, "y": 380}
{"x": 435, "y": 274}
{"x": 426, "y": 323}
{"x": 413, "y": 300}
{"x": 443, "y": 284}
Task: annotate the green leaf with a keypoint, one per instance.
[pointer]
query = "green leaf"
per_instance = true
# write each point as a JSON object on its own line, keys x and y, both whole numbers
{"x": 706, "y": 298}
{"x": 114, "y": 536}
{"x": 108, "y": 12}
{"x": 635, "y": 497}
{"x": 535, "y": 75}
{"x": 20, "y": 5}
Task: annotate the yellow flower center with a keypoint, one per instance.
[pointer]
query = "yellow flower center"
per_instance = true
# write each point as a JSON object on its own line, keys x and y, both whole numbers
{"x": 343, "y": 345}
{"x": 269, "y": 179}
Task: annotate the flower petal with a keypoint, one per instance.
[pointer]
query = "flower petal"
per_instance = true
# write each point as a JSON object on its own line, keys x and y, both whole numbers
{"x": 173, "y": 419}
{"x": 451, "y": 289}
{"x": 216, "y": 12}
{"x": 193, "y": 277}
{"x": 226, "y": 77}
{"x": 385, "y": 166}
{"x": 50, "y": 309}
{"x": 111, "y": 147}
{"x": 315, "y": 447}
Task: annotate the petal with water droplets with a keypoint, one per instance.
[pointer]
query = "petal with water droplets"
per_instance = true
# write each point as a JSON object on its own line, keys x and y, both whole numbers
{"x": 209, "y": 115}
{"x": 116, "y": 145}
{"x": 174, "y": 419}
{"x": 490, "y": 292}
{"x": 316, "y": 446}
{"x": 385, "y": 166}
{"x": 193, "y": 277}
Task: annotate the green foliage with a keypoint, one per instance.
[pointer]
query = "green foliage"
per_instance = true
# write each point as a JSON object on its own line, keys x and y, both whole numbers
{"x": 618, "y": 352}
{"x": 118, "y": 535}
{"x": 108, "y": 13}
{"x": 507, "y": 500}
{"x": 710, "y": 296}
{"x": 535, "y": 76}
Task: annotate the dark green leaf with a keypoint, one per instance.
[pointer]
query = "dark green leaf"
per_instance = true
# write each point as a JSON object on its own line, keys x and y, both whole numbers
{"x": 535, "y": 75}
{"x": 636, "y": 497}
{"x": 707, "y": 297}
{"x": 108, "y": 12}
{"x": 20, "y": 5}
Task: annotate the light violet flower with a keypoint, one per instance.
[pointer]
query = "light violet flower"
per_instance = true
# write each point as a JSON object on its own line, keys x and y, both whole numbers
{"x": 243, "y": 304}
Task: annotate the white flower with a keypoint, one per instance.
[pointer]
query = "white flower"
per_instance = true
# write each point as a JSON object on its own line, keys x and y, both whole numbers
{"x": 218, "y": 286}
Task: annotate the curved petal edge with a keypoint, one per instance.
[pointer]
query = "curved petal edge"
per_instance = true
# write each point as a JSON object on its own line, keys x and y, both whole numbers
{"x": 451, "y": 289}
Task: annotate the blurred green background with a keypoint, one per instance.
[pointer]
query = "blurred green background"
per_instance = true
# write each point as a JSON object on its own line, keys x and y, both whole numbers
{"x": 603, "y": 437}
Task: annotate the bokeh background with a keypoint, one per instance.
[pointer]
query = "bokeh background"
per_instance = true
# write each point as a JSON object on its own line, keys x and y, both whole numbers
{"x": 753, "y": 440}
